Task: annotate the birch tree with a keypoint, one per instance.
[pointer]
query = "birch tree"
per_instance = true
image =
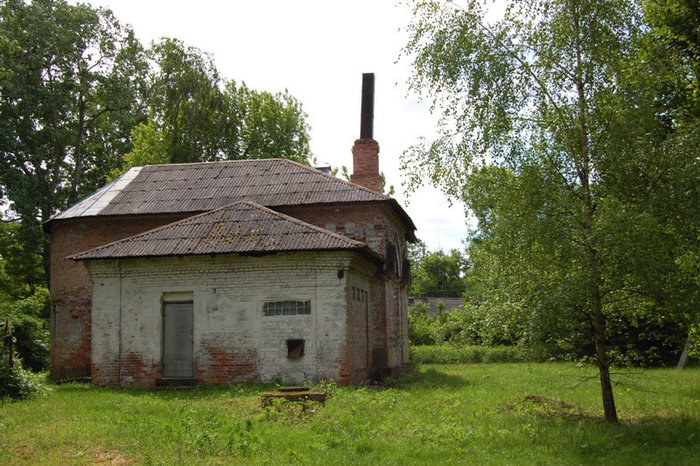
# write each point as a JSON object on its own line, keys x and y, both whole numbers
{"x": 542, "y": 127}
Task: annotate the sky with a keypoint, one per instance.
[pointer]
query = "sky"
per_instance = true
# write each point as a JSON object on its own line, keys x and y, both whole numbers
{"x": 318, "y": 50}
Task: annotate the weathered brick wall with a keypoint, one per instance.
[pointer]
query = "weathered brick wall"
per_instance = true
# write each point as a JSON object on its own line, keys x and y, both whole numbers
{"x": 365, "y": 164}
{"x": 378, "y": 227}
{"x": 359, "y": 324}
{"x": 233, "y": 340}
{"x": 362, "y": 222}
{"x": 71, "y": 288}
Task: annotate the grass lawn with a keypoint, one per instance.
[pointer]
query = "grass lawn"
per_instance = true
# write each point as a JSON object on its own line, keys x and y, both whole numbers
{"x": 464, "y": 414}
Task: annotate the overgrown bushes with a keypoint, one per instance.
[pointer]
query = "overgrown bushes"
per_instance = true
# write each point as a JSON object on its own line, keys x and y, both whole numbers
{"x": 29, "y": 344}
{"x": 15, "y": 382}
{"x": 505, "y": 331}
{"x": 469, "y": 334}
{"x": 29, "y": 317}
{"x": 450, "y": 354}
{"x": 486, "y": 325}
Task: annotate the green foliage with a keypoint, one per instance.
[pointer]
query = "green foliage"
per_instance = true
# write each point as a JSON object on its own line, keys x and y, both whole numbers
{"x": 451, "y": 354}
{"x": 150, "y": 148}
{"x": 567, "y": 128}
{"x": 488, "y": 324}
{"x": 30, "y": 329}
{"x": 22, "y": 298}
{"x": 71, "y": 90}
{"x": 15, "y": 383}
{"x": 21, "y": 268}
{"x": 437, "y": 273}
{"x": 675, "y": 27}
{"x": 69, "y": 97}
{"x": 421, "y": 327}
{"x": 197, "y": 116}
{"x": 272, "y": 125}
{"x": 186, "y": 102}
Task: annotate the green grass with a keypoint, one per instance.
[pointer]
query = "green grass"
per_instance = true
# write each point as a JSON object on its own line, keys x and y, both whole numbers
{"x": 465, "y": 414}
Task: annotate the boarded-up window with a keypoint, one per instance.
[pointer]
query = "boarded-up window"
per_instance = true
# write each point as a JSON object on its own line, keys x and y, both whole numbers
{"x": 286, "y": 308}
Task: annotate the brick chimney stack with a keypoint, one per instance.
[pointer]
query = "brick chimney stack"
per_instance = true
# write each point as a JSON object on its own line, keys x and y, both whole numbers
{"x": 365, "y": 152}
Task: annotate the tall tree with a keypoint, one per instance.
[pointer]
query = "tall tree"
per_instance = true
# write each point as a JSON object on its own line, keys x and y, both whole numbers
{"x": 69, "y": 82}
{"x": 545, "y": 134}
{"x": 195, "y": 115}
{"x": 187, "y": 103}
{"x": 271, "y": 125}
{"x": 672, "y": 51}
{"x": 439, "y": 274}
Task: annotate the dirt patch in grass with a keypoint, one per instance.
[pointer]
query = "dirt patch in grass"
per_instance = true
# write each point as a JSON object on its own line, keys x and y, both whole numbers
{"x": 98, "y": 455}
{"x": 542, "y": 406}
{"x": 23, "y": 452}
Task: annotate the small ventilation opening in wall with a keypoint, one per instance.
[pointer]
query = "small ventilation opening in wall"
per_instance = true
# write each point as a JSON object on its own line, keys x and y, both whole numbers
{"x": 295, "y": 349}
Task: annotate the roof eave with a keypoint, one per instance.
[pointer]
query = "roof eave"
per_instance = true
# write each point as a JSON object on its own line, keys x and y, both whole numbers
{"x": 363, "y": 250}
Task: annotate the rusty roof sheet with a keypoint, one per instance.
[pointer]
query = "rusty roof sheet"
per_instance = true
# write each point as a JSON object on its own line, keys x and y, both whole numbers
{"x": 240, "y": 228}
{"x": 200, "y": 187}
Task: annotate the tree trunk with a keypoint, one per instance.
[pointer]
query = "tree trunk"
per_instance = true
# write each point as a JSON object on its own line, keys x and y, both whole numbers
{"x": 602, "y": 358}
{"x": 8, "y": 327}
{"x": 78, "y": 154}
{"x": 683, "y": 360}
{"x": 609, "y": 408}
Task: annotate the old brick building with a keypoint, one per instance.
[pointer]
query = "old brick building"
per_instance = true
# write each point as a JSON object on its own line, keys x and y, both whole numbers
{"x": 245, "y": 270}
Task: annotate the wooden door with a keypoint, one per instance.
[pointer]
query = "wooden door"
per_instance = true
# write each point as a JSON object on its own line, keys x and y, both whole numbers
{"x": 177, "y": 340}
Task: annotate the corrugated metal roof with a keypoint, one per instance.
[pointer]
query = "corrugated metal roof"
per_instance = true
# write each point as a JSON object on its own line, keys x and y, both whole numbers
{"x": 97, "y": 201}
{"x": 199, "y": 187}
{"x": 243, "y": 228}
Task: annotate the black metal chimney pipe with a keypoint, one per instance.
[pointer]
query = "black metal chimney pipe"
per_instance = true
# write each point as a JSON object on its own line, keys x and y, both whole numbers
{"x": 367, "y": 110}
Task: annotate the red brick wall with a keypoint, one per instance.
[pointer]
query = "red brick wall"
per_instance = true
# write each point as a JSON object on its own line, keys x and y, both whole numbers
{"x": 358, "y": 329}
{"x": 377, "y": 226}
{"x": 71, "y": 288}
{"x": 365, "y": 164}
{"x": 225, "y": 363}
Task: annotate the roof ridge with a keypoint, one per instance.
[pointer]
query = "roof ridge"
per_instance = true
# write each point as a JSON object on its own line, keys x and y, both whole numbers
{"x": 277, "y": 159}
{"x": 335, "y": 178}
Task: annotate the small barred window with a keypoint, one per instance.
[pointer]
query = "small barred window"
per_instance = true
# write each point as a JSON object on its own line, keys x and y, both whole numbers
{"x": 359, "y": 295}
{"x": 286, "y": 308}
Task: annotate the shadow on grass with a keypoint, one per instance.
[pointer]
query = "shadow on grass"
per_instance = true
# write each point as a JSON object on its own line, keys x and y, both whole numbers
{"x": 426, "y": 378}
{"x": 586, "y": 438}
{"x": 649, "y": 440}
{"x": 200, "y": 392}
{"x": 422, "y": 378}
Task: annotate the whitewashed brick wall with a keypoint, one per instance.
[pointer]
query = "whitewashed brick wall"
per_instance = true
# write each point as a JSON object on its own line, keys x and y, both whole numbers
{"x": 233, "y": 341}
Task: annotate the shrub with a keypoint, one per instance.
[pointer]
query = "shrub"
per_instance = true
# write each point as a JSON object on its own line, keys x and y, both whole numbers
{"x": 421, "y": 327}
{"x": 486, "y": 324}
{"x": 30, "y": 329}
{"x": 15, "y": 382}
{"x": 450, "y": 354}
